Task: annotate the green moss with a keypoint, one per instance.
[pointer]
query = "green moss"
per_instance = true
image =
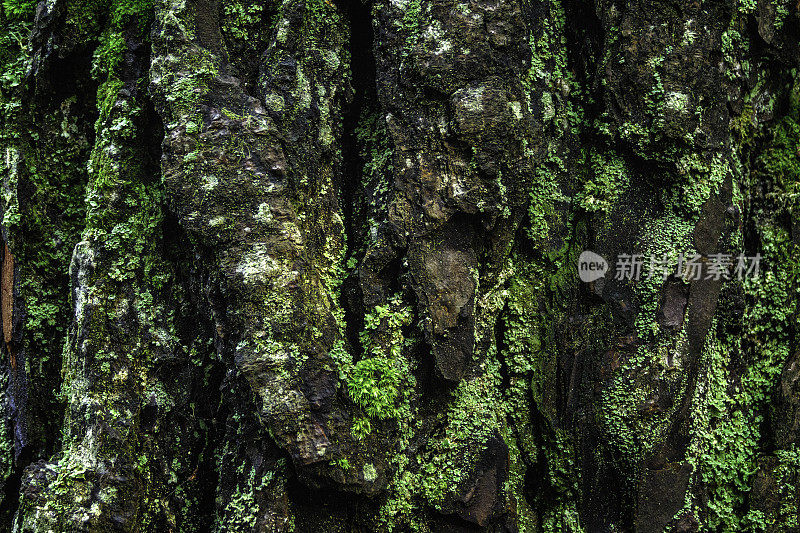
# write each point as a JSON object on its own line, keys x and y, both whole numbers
{"x": 6, "y": 439}
{"x": 42, "y": 208}
{"x": 746, "y": 6}
{"x": 241, "y": 21}
{"x": 475, "y": 414}
{"x": 727, "y": 431}
{"x": 702, "y": 180}
{"x": 548, "y": 78}
{"x": 536, "y": 290}
{"x": 377, "y": 382}
{"x": 121, "y": 317}
{"x": 664, "y": 239}
{"x": 608, "y": 181}
{"x": 241, "y": 511}
{"x": 183, "y": 73}
{"x": 786, "y": 478}
{"x": 17, "y": 10}
{"x": 319, "y": 15}
{"x": 727, "y": 421}
{"x": 546, "y": 200}
{"x": 781, "y": 164}
{"x": 411, "y": 23}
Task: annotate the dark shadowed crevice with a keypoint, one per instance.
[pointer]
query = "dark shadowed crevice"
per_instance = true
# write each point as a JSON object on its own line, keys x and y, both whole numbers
{"x": 11, "y": 489}
{"x": 321, "y": 506}
{"x": 204, "y": 394}
{"x": 362, "y": 63}
{"x": 585, "y": 43}
{"x": 245, "y": 32}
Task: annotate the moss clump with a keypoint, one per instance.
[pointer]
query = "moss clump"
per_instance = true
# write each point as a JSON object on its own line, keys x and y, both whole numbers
{"x": 728, "y": 420}
{"x": 379, "y": 383}
{"x": 608, "y": 181}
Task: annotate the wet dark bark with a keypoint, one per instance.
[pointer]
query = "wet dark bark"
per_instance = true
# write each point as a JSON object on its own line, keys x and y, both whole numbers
{"x": 310, "y": 265}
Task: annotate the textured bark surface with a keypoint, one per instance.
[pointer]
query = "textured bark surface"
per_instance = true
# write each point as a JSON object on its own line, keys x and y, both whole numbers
{"x": 310, "y": 265}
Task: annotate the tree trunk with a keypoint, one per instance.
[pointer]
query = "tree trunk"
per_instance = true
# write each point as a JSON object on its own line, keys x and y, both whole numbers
{"x": 317, "y": 266}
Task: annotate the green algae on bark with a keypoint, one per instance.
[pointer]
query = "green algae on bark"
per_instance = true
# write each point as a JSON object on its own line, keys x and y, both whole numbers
{"x": 309, "y": 265}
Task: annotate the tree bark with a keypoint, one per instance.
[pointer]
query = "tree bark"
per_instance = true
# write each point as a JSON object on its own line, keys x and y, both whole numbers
{"x": 313, "y": 265}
